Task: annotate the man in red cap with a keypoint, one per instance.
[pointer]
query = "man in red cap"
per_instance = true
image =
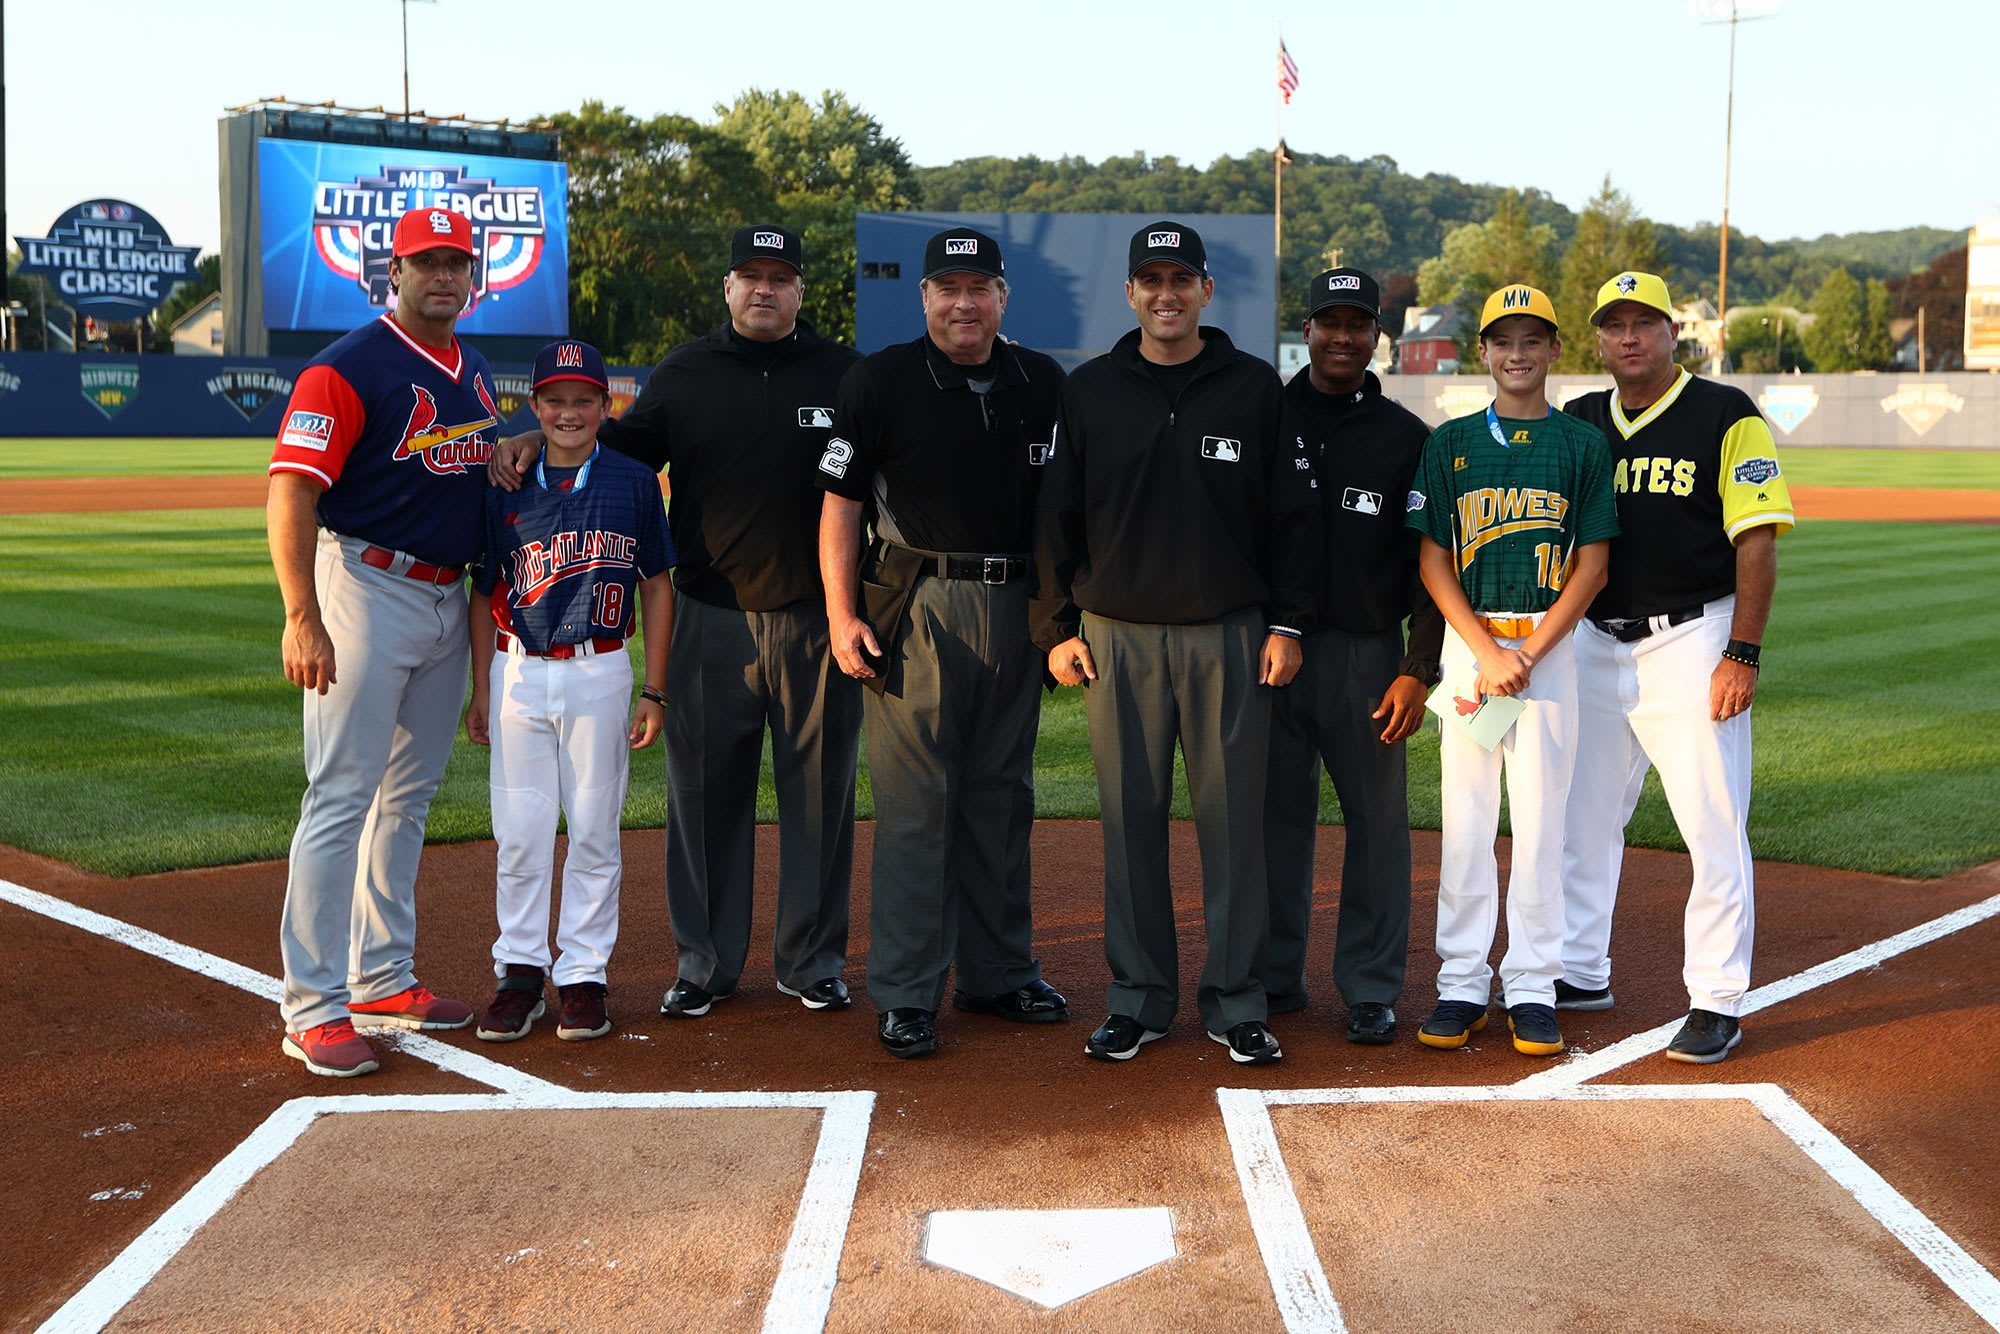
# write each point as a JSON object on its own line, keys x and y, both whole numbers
{"x": 377, "y": 483}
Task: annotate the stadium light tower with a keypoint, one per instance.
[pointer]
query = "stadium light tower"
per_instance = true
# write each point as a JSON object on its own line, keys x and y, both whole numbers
{"x": 406, "y": 55}
{"x": 1730, "y": 12}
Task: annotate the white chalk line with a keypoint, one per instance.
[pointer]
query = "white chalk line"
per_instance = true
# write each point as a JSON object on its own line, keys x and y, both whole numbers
{"x": 454, "y": 1060}
{"x": 1278, "y": 1221}
{"x": 1595, "y": 1065}
{"x": 800, "y": 1297}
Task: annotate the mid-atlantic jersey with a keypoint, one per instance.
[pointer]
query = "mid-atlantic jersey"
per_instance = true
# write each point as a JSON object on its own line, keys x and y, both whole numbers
{"x": 1513, "y": 514}
{"x": 570, "y": 548}
{"x": 1693, "y": 472}
{"x": 399, "y": 433}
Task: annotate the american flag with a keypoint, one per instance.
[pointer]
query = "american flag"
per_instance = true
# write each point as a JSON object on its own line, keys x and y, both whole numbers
{"x": 1288, "y": 72}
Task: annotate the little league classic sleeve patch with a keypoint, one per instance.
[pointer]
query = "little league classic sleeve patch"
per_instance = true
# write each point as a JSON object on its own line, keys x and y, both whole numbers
{"x": 307, "y": 430}
{"x": 1754, "y": 472}
{"x": 1413, "y": 502}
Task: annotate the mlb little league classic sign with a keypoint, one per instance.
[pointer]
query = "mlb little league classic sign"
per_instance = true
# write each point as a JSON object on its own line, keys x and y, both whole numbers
{"x": 108, "y": 259}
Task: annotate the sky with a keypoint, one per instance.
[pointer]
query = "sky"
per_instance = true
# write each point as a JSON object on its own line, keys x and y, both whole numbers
{"x": 1849, "y": 116}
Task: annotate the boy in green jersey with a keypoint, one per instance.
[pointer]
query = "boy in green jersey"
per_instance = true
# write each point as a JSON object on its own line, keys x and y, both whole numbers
{"x": 1515, "y": 508}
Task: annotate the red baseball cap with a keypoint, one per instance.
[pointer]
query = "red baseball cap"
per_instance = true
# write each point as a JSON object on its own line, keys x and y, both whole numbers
{"x": 432, "y": 229}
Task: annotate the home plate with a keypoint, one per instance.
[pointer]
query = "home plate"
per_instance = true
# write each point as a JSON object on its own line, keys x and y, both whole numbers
{"x": 1050, "y": 1256}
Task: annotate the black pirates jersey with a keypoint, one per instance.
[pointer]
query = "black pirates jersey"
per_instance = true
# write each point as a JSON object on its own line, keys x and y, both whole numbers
{"x": 1691, "y": 473}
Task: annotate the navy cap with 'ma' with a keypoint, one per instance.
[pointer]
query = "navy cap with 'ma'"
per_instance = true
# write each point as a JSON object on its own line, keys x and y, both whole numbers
{"x": 963, "y": 250}
{"x": 568, "y": 359}
{"x": 1174, "y": 242}
{"x": 764, "y": 241}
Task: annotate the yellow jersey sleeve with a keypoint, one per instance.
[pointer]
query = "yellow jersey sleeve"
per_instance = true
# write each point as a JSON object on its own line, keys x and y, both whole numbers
{"x": 1752, "y": 485}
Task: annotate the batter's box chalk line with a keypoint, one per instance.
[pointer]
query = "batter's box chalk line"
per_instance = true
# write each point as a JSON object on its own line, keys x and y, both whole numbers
{"x": 800, "y": 1297}
{"x": 1306, "y": 1300}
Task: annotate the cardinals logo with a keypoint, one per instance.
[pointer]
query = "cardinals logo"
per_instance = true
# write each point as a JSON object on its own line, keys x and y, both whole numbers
{"x": 447, "y": 449}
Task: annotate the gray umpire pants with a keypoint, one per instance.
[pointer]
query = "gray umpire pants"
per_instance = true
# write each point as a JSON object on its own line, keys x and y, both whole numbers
{"x": 376, "y": 744}
{"x": 731, "y": 675}
{"x": 951, "y": 750}
{"x": 1197, "y": 683}
{"x": 1323, "y": 716}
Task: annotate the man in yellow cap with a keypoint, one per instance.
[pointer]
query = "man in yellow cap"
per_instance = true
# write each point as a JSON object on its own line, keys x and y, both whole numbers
{"x": 1514, "y": 508}
{"x": 1667, "y": 658}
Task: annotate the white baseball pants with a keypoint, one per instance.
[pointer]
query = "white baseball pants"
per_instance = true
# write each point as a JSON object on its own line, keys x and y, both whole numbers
{"x": 1646, "y": 704}
{"x": 560, "y": 729}
{"x": 1536, "y": 757}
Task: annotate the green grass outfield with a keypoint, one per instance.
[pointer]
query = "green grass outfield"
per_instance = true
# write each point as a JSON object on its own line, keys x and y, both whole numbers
{"x": 148, "y": 727}
{"x": 1965, "y": 469}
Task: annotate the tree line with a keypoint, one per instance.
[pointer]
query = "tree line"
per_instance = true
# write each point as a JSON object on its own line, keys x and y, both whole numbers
{"x": 654, "y": 200}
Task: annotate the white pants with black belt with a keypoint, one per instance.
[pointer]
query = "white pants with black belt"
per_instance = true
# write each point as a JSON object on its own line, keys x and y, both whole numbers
{"x": 560, "y": 730}
{"x": 1537, "y": 756}
{"x": 1646, "y": 704}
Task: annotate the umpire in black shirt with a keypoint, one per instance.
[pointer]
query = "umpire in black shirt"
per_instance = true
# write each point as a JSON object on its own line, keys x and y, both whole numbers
{"x": 941, "y": 444}
{"x": 1177, "y": 518}
{"x": 740, "y": 419}
{"x": 1361, "y": 690}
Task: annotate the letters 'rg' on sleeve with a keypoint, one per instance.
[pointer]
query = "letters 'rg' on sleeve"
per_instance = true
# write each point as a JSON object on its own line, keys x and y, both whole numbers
{"x": 321, "y": 424}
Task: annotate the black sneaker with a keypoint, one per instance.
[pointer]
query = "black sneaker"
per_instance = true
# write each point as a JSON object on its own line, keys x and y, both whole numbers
{"x": 1371, "y": 1023}
{"x": 829, "y": 993}
{"x": 1119, "y": 1039}
{"x": 685, "y": 1000}
{"x": 1249, "y": 1043}
{"x": 1535, "y": 1031}
{"x": 1705, "y": 1038}
{"x": 1578, "y": 998}
{"x": 1451, "y": 1023}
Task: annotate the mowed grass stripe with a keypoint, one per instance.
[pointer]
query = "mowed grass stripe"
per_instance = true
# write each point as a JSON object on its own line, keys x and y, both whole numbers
{"x": 149, "y": 728}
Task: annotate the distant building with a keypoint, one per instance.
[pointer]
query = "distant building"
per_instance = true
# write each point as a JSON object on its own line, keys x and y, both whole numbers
{"x": 199, "y": 332}
{"x": 1429, "y": 345}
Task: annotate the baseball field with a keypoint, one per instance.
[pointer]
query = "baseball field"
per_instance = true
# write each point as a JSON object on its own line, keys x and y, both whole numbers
{"x": 768, "y": 1167}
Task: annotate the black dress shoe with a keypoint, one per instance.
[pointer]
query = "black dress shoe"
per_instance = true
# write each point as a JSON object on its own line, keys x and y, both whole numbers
{"x": 829, "y": 993}
{"x": 1035, "y": 1003}
{"x": 1119, "y": 1038}
{"x": 1371, "y": 1023}
{"x": 1249, "y": 1043}
{"x": 908, "y": 1032}
{"x": 685, "y": 1000}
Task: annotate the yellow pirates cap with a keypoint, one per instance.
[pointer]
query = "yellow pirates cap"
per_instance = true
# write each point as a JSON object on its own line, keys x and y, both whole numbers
{"x": 1648, "y": 289}
{"x": 1520, "y": 299}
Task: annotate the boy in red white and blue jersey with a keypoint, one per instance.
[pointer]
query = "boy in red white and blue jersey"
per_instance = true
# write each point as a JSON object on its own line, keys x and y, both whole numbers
{"x": 377, "y": 479}
{"x": 567, "y": 560}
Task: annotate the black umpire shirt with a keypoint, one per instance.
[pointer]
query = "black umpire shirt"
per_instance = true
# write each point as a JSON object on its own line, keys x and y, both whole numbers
{"x": 740, "y": 425}
{"x": 1364, "y": 448}
{"x": 947, "y": 466}
{"x": 1167, "y": 508}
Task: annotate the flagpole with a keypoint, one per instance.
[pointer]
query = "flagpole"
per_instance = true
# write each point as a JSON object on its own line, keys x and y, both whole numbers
{"x": 1278, "y": 189}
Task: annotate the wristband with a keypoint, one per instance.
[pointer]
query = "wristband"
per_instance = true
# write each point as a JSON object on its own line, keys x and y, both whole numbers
{"x": 654, "y": 693}
{"x": 1743, "y": 651}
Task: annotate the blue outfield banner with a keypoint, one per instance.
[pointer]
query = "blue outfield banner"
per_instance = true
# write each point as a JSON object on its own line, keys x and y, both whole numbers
{"x": 67, "y": 394}
{"x": 327, "y": 211}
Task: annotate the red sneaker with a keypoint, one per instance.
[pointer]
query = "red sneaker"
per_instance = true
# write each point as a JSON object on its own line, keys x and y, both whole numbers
{"x": 333, "y": 1048}
{"x": 583, "y": 1015}
{"x": 415, "y": 1008}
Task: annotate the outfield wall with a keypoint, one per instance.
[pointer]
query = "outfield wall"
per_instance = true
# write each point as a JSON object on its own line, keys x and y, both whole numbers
{"x": 1948, "y": 410}
{"x": 68, "y": 394}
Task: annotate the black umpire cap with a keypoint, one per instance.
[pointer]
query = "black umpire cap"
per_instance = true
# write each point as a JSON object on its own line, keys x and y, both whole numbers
{"x": 1175, "y": 242}
{"x": 764, "y": 241}
{"x": 1344, "y": 287}
{"x": 963, "y": 250}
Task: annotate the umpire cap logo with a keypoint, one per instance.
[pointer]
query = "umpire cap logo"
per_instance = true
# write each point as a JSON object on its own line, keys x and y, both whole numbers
{"x": 1163, "y": 240}
{"x": 961, "y": 245}
{"x": 769, "y": 240}
{"x": 1343, "y": 282}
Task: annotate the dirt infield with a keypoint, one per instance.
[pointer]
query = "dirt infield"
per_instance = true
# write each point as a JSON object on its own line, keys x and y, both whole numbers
{"x": 133, "y": 1077}
{"x": 86, "y": 494}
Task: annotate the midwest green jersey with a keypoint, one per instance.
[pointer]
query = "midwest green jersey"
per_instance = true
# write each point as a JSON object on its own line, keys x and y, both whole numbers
{"x": 1514, "y": 514}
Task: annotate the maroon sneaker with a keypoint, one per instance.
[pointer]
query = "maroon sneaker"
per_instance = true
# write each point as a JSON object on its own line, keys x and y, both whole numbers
{"x": 517, "y": 1002}
{"x": 415, "y": 1008}
{"x": 583, "y": 1014}
{"x": 332, "y": 1048}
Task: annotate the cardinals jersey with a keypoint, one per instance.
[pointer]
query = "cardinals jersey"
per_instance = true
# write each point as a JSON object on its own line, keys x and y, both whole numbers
{"x": 399, "y": 433}
{"x": 569, "y": 548}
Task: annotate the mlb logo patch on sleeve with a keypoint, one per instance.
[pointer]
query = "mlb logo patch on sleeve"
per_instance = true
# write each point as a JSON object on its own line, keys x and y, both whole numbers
{"x": 307, "y": 430}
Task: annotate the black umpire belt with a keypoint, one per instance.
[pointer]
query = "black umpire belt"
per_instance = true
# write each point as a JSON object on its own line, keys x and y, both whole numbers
{"x": 1628, "y": 630}
{"x": 957, "y": 565}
